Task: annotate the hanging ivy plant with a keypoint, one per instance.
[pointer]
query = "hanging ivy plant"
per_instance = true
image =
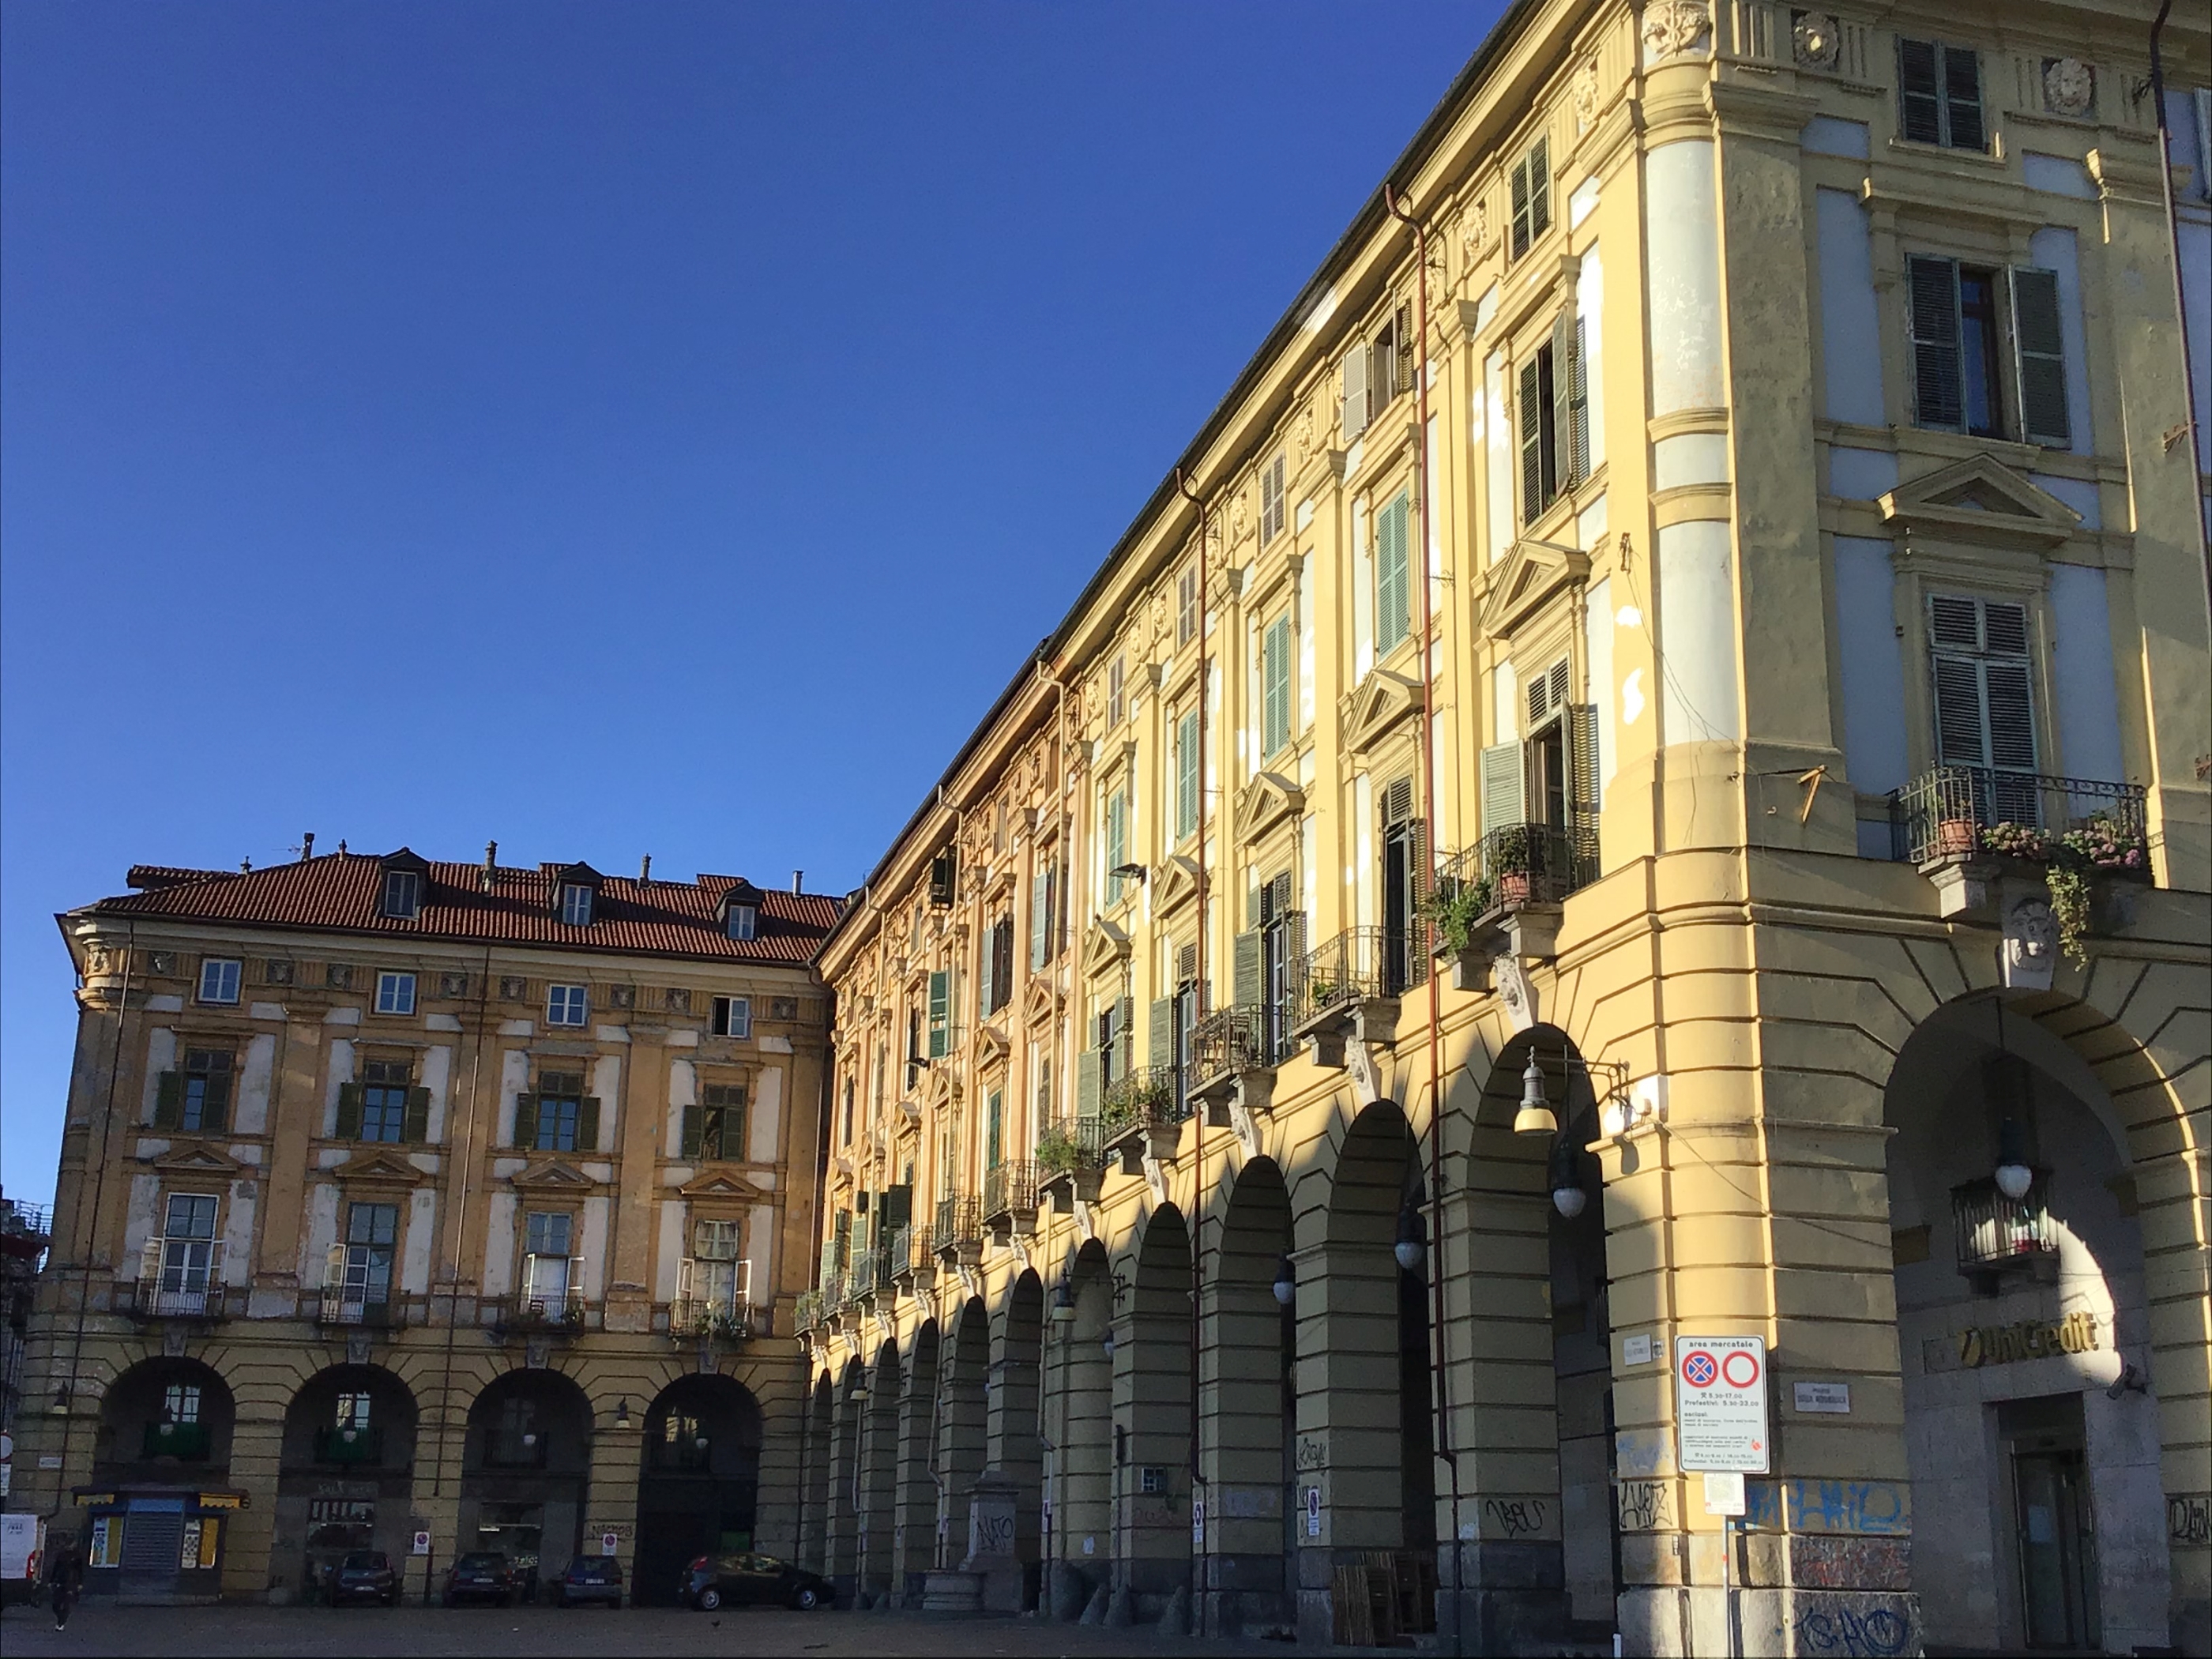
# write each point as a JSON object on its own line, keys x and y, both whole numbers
{"x": 2069, "y": 908}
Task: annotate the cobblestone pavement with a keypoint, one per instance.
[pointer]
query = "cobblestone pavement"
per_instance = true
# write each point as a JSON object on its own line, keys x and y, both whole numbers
{"x": 25, "y": 1631}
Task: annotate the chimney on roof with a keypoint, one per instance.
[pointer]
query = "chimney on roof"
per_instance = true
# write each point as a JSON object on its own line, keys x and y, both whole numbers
{"x": 799, "y": 881}
{"x": 645, "y": 868}
{"x": 306, "y": 846}
{"x": 245, "y": 866}
{"x": 492, "y": 857}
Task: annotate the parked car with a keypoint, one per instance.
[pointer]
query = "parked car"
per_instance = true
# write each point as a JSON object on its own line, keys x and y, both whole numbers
{"x": 714, "y": 1580}
{"x": 589, "y": 1578}
{"x": 481, "y": 1576}
{"x": 364, "y": 1576}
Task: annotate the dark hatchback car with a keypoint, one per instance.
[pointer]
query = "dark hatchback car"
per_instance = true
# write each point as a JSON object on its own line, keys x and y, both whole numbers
{"x": 590, "y": 1579}
{"x": 364, "y": 1576}
{"x": 736, "y": 1580}
{"x": 481, "y": 1576}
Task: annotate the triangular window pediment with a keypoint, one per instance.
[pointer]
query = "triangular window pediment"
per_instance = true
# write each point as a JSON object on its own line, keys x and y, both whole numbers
{"x": 1528, "y": 576}
{"x": 1176, "y": 883}
{"x": 197, "y": 1161}
{"x": 720, "y": 1184}
{"x": 1039, "y": 1004}
{"x": 552, "y": 1173}
{"x": 1266, "y": 801}
{"x": 1105, "y": 947}
{"x": 1981, "y": 499}
{"x": 1381, "y": 700}
{"x": 389, "y": 1167}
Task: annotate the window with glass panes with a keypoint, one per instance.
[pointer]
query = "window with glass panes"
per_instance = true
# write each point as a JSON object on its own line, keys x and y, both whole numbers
{"x": 180, "y": 1403}
{"x": 718, "y": 1276}
{"x": 206, "y": 1103}
{"x": 188, "y": 1242}
{"x": 560, "y": 1111}
{"x": 715, "y": 1127}
{"x": 546, "y": 1237}
{"x": 353, "y": 1412}
{"x": 384, "y": 1090}
{"x": 371, "y": 1235}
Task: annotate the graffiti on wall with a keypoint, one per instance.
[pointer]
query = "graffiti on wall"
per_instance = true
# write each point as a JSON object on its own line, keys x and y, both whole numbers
{"x": 1513, "y": 1518}
{"x": 2189, "y": 1519}
{"x": 1646, "y": 1505}
{"x": 1880, "y": 1509}
{"x": 1857, "y": 1627}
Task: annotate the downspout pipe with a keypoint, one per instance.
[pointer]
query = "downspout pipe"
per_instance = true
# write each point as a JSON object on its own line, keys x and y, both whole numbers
{"x": 2180, "y": 300}
{"x": 1438, "y": 1373}
{"x": 1202, "y": 1563}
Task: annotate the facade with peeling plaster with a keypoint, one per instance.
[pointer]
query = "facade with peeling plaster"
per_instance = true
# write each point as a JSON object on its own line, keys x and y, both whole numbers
{"x": 1642, "y": 778}
{"x": 427, "y": 1207}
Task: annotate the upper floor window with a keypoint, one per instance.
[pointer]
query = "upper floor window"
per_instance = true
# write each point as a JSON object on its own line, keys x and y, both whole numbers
{"x": 1187, "y": 785}
{"x": 395, "y": 993}
{"x": 197, "y": 1099}
{"x": 1275, "y": 689}
{"x": 1982, "y": 675}
{"x": 944, "y": 884}
{"x": 1531, "y": 196}
{"x": 180, "y": 1403}
{"x": 1116, "y": 703}
{"x": 576, "y": 903}
{"x": 732, "y": 1016}
{"x": 219, "y": 977}
{"x": 1044, "y": 897}
{"x": 1375, "y": 371}
{"x": 1393, "y": 585}
{"x": 1270, "y": 500}
{"x": 390, "y": 1108}
{"x": 403, "y": 894}
{"x": 744, "y": 920}
{"x": 1546, "y": 779}
{"x": 1939, "y": 95}
{"x": 998, "y": 965}
{"x": 716, "y": 1127}
{"x": 1554, "y": 398}
{"x": 1974, "y": 329}
{"x": 559, "y": 1117}
{"x": 943, "y": 1014}
{"x": 1187, "y": 604}
{"x": 365, "y": 1269}
{"x": 547, "y": 1238}
{"x": 565, "y": 1004}
{"x": 185, "y": 1257}
{"x": 1117, "y": 842}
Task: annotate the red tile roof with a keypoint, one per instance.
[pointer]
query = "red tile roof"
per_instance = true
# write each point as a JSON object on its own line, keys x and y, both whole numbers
{"x": 341, "y": 892}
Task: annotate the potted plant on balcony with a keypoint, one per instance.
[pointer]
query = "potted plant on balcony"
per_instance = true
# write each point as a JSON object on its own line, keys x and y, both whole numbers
{"x": 2016, "y": 840}
{"x": 1955, "y": 835}
{"x": 1510, "y": 856}
{"x": 1059, "y": 1153}
{"x": 1453, "y": 910}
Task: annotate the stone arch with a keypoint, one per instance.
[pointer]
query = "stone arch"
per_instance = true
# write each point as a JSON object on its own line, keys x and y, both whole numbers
{"x": 914, "y": 1536}
{"x": 1153, "y": 1399}
{"x": 848, "y": 1399}
{"x": 526, "y": 1468}
{"x": 1081, "y": 1541}
{"x": 2046, "y": 1345}
{"x": 353, "y": 1427}
{"x": 962, "y": 1427}
{"x": 878, "y": 1476}
{"x": 818, "y": 1502}
{"x": 698, "y": 1480}
{"x": 165, "y": 1418}
{"x": 1015, "y": 1441}
{"x": 1248, "y": 1369}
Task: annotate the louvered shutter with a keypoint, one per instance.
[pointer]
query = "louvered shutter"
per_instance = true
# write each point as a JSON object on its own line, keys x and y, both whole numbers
{"x": 1040, "y": 918}
{"x": 2012, "y": 722}
{"x": 334, "y": 1267}
{"x": 1919, "y": 103}
{"x": 214, "y": 1104}
{"x": 526, "y": 1121}
{"x": 1962, "y": 97}
{"x": 1959, "y": 736}
{"x": 1531, "y": 411}
{"x": 1539, "y": 187}
{"x": 1247, "y": 970}
{"x": 941, "y": 993}
{"x": 1418, "y": 874}
{"x": 1521, "y": 208}
{"x": 418, "y": 1128}
{"x": 349, "y": 1127}
{"x": 1125, "y": 1037}
{"x": 691, "y": 1136}
{"x": 1538, "y": 698}
{"x": 1575, "y": 437}
{"x": 1401, "y": 338}
{"x": 1160, "y": 1034}
{"x": 1187, "y": 775}
{"x": 1294, "y": 937}
{"x": 2039, "y": 356}
{"x": 1502, "y": 786}
{"x": 1397, "y": 802}
{"x": 587, "y": 1124}
{"x": 1563, "y": 392}
{"x": 1275, "y": 685}
{"x": 1087, "y": 1090}
{"x": 169, "y": 1100}
{"x": 1392, "y": 618}
{"x": 988, "y": 966}
{"x": 1582, "y": 756}
{"x": 1932, "y": 287}
{"x": 1353, "y": 411}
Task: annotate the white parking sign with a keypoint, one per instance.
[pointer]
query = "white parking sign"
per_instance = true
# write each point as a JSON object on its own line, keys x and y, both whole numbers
{"x": 1720, "y": 1404}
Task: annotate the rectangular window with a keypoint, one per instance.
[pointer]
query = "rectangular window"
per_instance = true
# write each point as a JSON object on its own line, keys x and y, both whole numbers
{"x": 352, "y": 1412}
{"x": 1044, "y": 883}
{"x": 1984, "y": 677}
{"x": 187, "y": 1266}
{"x": 384, "y": 1100}
{"x": 403, "y": 894}
{"x": 1117, "y": 842}
{"x": 565, "y": 1004}
{"x": 714, "y": 1241}
{"x": 1117, "y": 704}
{"x": 994, "y": 1129}
{"x": 1187, "y": 606}
{"x": 732, "y": 1016}
{"x": 1186, "y": 824}
{"x": 576, "y": 903}
{"x": 371, "y": 1235}
{"x": 545, "y": 1265}
{"x": 744, "y": 920}
{"x": 940, "y": 1014}
{"x": 1000, "y": 955}
{"x": 1275, "y": 687}
{"x": 722, "y": 1120}
{"x": 546, "y": 1232}
{"x": 180, "y": 1403}
{"x": 1972, "y": 328}
{"x": 206, "y": 1106}
{"x": 219, "y": 978}
{"x": 1553, "y": 418}
{"x": 1939, "y": 95}
{"x": 1270, "y": 500}
{"x": 1393, "y": 580}
{"x": 560, "y": 1112}
{"x": 395, "y": 993}
{"x": 1531, "y": 196}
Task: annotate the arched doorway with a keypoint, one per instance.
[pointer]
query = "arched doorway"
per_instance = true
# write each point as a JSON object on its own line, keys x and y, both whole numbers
{"x": 1016, "y": 1442}
{"x": 526, "y": 1471}
{"x": 1080, "y": 1539}
{"x": 846, "y": 1405}
{"x": 961, "y": 1427}
{"x": 346, "y": 1479}
{"x": 879, "y": 1477}
{"x": 698, "y": 1486}
{"x": 816, "y": 1501}
{"x": 161, "y": 1504}
{"x": 914, "y": 1531}
{"x": 1248, "y": 1374}
{"x": 1152, "y": 1392}
{"x": 2031, "y": 1426}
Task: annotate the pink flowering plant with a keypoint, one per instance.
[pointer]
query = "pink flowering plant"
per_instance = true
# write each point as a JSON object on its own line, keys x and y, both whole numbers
{"x": 2102, "y": 844}
{"x": 2016, "y": 840}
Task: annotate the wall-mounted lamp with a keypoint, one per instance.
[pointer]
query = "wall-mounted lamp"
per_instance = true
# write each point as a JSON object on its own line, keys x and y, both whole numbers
{"x": 700, "y": 1444}
{"x": 1286, "y": 1281}
{"x": 1130, "y": 872}
{"x": 859, "y": 1389}
{"x": 2013, "y": 1177}
{"x": 2007, "y": 1076}
{"x": 530, "y": 1437}
{"x": 1568, "y": 1197}
{"x": 1412, "y": 1247}
{"x": 1535, "y": 1116}
{"x": 1063, "y": 1304}
{"x": 1109, "y": 1345}
{"x": 621, "y": 1413}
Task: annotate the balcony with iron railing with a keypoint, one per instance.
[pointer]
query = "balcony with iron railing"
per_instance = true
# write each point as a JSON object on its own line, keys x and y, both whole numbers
{"x": 1999, "y": 1236}
{"x": 349, "y": 1446}
{"x": 1071, "y": 1156}
{"x": 1142, "y": 1098}
{"x": 1980, "y": 811}
{"x": 1229, "y": 1044}
{"x": 366, "y": 1306}
{"x": 550, "y": 1302}
{"x": 731, "y": 1318}
{"x": 958, "y": 1234}
{"x": 912, "y": 1255}
{"x": 807, "y": 1312}
{"x": 1010, "y": 1196}
{"x": 860, "y": 1276}
{"x": 188, "y": 1442}
{"x": 25, "y": 1231}
{"x": 180, "y": 1278}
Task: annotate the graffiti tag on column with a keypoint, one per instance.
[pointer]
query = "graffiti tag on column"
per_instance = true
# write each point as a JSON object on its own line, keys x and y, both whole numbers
{"x": 1645, "y": 1505}
{"x": 1878, "y": 1632}
{"x": 1312, "y": 1454}
{"x": 1516, "y": 1517}
{"x": 1880, "y": 1509}
{"x": 995, "y": 1535}
{"x": 2189, "y": 1520}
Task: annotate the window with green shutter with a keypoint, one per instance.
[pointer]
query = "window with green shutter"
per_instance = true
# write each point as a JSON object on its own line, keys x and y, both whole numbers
{"x": 1939, "y": 95}
{"x": 1117, "y": 842}
{"x": 1983, "y": 677}
{"x": 1392, "y": 588}
{"x": 1186, "y": 824}
{"x": 940, "y": 1014}
{"x": 1275, "y": 685}
{"x": 1989, "y": 350}
{"x": 1531, "y": 196}
{"x": 204, "y": 1104}
{"x": 383, "y": 1103}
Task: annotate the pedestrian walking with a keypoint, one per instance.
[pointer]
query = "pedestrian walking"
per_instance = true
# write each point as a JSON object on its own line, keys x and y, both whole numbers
{"x": 64, "y": 1573}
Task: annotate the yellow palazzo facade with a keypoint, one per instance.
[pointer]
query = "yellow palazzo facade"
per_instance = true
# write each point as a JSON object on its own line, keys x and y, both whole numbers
{"x": 1645, "y": 777}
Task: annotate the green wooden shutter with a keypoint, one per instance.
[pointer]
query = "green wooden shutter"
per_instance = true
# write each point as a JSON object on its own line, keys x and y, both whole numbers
{"x": 1540, "y": 186}
{"x": 1125, "y": 1035}
{"x": 1530, "y": 410}
{"x": 169, "y": 1100}
{"x": 1392, "y": 617}
{"x": 1938, "y": 389}
{"x": 1521, "y": 228}
{"x": 897, "y": 1208}
{"x": 1503, "y": 780}
{"x": 526, "y": 1120}
{"x": 1187, "y": 775}
{"x": 587, "y": 1124}
{"x": 349, "y": 1111}
{"x": 1275, "y": 684}
{"x": 1563, "y": 394}
{"x": 940, "y": 1014}
{"x": 693, "y": 1130}
{"x": 1962, "y": 99}
{"x": 1087, "y": 1089}
{"x": 986, "y": 966}
{"x": 2039, "y": 357}
{"x": 1352, "y": 410}
{"x": 214, "y": 1107}
{"x": 1160, "y": 1034}
{"x": 1582, "y": 756}
{"x": 1247, "y": 970}
{"x": 1919, "y": 103}
{"x": 1960, "y": 740}
{"x": 418, "y": 1128}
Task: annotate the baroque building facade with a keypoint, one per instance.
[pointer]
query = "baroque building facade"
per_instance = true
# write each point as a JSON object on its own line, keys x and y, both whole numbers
{"x": 427, "y": 1207}
{"x": 1644, "y": 778}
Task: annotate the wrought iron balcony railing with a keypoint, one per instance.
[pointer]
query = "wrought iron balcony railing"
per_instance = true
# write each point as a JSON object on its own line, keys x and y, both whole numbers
{"x": 1519, "y": 864}
{"x": 1228, "y": 1040}
{"x": 1145, "y": 1097}
{"x": 1072, "y": 1143}
{"x": 1010, "y": 1188}
{"x": 368, "y": 1306}
{"x": 860, "y": 1276}
{"x": 714, "y": 1315}
{"x": 917, "y": 1255}
{"x": 1956, "y": 811}
{"x": 549, "y": 1300}
{"x": 959, "y": 1222}
{"x": 180, "y": 1278}
{"x": 806, "y": 1313}
{"x": 1994, "y": 1233}
{"x": 187, "y": 1441}
{"x": 1359, "y": 964}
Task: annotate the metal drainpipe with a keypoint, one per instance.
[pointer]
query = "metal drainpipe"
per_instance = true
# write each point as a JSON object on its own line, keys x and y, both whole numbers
{"x": 1198, "y": 1171}
{"x": 2180, "y": 301}
{"x": 1438, "y": 1373}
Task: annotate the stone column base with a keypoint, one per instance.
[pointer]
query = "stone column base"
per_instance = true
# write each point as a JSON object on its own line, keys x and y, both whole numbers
{"x": 1680, "y": 1621}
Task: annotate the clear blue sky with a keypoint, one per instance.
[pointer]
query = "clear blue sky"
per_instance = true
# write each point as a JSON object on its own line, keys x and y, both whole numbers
{"x": 614, "y": 430}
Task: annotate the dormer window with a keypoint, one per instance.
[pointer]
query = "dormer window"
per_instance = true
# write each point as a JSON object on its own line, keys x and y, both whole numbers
{"x": 575, "y": 904}
{"x": 741, "y": 911}
{"x": 744, "y": 920}
{"x": 403, "y": 894}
